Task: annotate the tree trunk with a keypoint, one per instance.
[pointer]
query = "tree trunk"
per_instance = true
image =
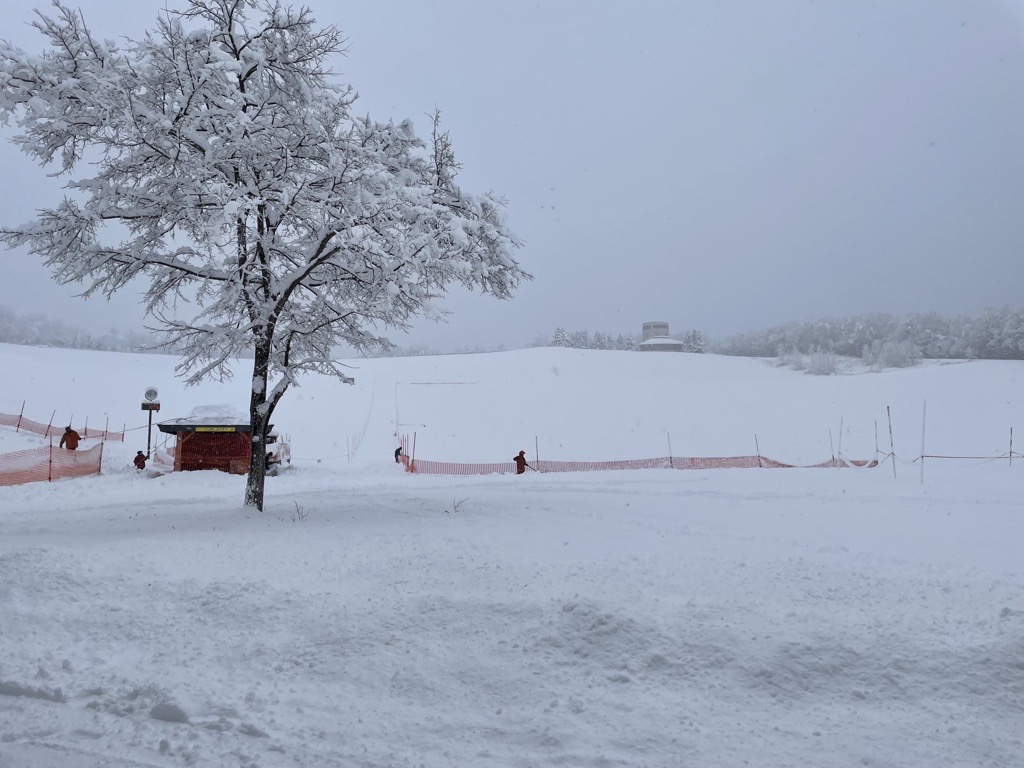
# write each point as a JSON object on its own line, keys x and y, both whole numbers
{"x": 258, "y": 420}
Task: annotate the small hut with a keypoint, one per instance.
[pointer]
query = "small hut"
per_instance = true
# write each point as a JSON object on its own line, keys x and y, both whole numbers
{"x": 211, "y": 437}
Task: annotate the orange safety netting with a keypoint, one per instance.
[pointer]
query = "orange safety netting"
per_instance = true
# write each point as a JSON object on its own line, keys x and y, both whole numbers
{"x": 423, "y": 466}
{"x": 20, "y": 423}
{"x": 48, "y": 463}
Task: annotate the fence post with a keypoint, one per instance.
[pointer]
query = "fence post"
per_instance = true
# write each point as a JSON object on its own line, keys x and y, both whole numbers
{"x": 47, "y": 433}
{"x": 1011, "y": 446}
{"x": 924, "y": 416}
{"x": 892, "y": 446}
{"x": 536, "y": 452}
{"x": 668, "y": 436}
{"x": 49, "y": 470}
{"x": 758, "y": 446}
{"x": 106, "y": 428}
{"x": 85, "y": 432}
{"x": 99, "y": 467}
{"x": 832, "y": 448}
{"x": 839, "y": 452}
{"x": 412, "y": 461}
{"x": 17, "y": 428}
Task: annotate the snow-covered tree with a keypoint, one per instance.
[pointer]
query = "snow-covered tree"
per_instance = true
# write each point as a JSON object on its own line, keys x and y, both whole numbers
{"x": 560, "y": 338}
{"x": 216, "y": 160}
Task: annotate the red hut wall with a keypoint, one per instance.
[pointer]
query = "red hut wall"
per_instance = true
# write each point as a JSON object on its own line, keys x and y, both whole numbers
{"x": 226, "y": 451}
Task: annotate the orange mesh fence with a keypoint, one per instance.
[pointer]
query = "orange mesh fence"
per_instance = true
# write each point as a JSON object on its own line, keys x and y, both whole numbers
{"x": 22, "y": 424}
{"x": 48, "y": 463}
{"x": 665, "y": 462}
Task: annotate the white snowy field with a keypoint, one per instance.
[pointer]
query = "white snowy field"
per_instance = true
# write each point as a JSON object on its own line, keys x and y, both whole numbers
{"x": 371, "y": 617}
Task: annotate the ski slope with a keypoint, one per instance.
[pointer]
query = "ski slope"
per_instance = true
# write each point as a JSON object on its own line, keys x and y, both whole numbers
{"x": 372, "y": 617}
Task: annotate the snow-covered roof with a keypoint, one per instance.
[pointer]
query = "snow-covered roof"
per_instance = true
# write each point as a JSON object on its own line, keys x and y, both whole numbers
{"x": 661, "y": 341}
{"x": 208, "y": 416}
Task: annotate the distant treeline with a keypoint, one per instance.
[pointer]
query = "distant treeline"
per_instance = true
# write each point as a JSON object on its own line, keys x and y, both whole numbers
{"x": 878, "y": 339}
{"x": 39, "y": 330}
{"x": 693, "y": 340}
{"x": 998, "y": 334}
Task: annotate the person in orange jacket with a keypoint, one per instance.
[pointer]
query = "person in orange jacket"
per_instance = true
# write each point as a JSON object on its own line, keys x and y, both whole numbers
{"x": 520, "y": 461}
{"x": 70, "y": 439}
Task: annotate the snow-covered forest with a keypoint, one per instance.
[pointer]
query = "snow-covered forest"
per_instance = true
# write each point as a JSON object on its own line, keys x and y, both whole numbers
{"x": 41, "y": 330}
{"x": 998, "y": 334}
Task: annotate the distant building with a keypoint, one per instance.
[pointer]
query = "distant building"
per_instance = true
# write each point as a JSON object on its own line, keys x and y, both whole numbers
{"x": 655, "y": 338}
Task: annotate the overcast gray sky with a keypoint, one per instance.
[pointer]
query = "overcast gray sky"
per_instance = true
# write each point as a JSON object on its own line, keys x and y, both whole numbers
{"x": 720, "y": 164}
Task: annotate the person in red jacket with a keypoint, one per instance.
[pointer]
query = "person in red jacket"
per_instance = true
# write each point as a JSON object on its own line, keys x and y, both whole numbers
{"x": 140, "y": 460}
{"x": 520, "y": 461}
{"x": 69, "y": 439}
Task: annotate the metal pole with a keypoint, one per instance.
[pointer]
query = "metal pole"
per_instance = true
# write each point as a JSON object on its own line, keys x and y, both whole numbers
{"x": 106, "y": 429}
{"x": 670, "y": 461}
{"x": 1011, "y": 446}
{"x": 49, "y": 472}
{"x": 412, "y": 462}
{"x": 536, "y": 453}
{"x": 832, "y": 448}
{"x": 758, "y": 446}
{"x": 892, "y": 447}
{"x": 149, "y": 434}
{"x": 50, "y": 424}
{"x": 23, "y": 413}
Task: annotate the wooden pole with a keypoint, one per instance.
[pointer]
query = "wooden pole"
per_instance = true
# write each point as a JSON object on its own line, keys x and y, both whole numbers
{"x": 840, "y": 452}
{"x": 892, "y": 445}
{"x": 924, "y": 416}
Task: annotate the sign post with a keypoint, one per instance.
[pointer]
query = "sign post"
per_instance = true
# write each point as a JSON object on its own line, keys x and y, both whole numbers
{"x": 152, "y": 404}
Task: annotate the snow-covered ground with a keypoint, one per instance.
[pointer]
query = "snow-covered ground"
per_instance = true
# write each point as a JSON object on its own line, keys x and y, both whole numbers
{"x": 372, "y": 617}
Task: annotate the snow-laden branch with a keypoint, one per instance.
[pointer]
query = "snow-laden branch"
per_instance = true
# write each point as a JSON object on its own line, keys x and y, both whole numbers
{"x": 228, "y": 175}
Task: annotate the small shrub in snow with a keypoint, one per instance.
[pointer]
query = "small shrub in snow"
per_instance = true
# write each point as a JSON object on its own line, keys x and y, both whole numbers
{"x": 892, "y": 354}
{"x": 821, "y": 364}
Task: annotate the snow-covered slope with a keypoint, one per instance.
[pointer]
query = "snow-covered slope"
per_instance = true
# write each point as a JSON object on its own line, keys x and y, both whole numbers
{"x": 375, "y": 618}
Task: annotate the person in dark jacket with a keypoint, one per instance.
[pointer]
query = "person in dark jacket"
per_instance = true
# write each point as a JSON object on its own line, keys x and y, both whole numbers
{"x": 271, "y": 462}
{"x": 520, "y": 461}
{"x": 69, "y": 439}
{"x": 398, "y": 453}
{"x": 139, "y": 460}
